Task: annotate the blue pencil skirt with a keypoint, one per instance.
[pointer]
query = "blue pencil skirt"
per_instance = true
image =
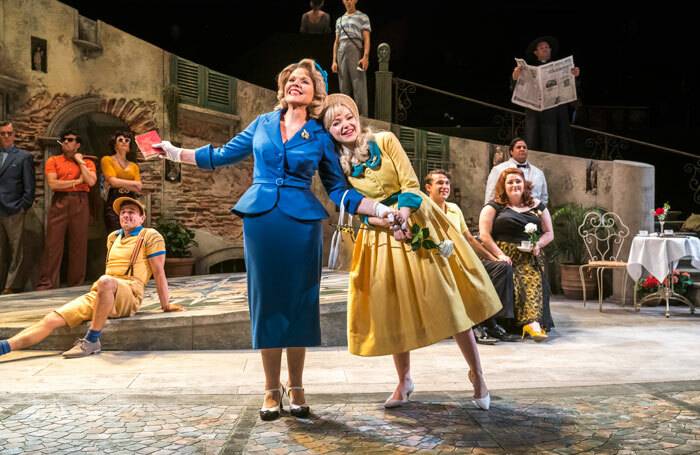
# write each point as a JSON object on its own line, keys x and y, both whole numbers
{"x": 283, "y": 257}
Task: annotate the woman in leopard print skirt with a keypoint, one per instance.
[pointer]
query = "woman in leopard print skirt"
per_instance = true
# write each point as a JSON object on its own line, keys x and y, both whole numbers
{"x": 502, "y": 229}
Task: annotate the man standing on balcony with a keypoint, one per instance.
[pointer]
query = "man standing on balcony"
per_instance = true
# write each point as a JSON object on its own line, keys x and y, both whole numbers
{"x": 351, "y": 54}
{"x": 16, "y": 197}
{"x": 70, "y": 177}
{"x": 549, "y": 130}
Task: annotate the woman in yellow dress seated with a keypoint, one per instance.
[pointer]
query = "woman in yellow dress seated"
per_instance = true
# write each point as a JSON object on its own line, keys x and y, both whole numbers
{"x": 399, "y": 299}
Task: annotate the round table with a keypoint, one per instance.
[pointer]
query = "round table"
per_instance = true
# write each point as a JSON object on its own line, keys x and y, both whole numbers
{"x": 659, "y": 256}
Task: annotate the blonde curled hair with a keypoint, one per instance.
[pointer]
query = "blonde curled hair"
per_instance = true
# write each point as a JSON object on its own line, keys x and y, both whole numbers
{"x": 314, "y": 108}
{"x": 360, "y": 153}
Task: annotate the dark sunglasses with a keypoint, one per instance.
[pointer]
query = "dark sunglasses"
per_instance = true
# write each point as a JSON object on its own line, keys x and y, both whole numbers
{"x": 124, "y": 139}
{"x": 7, "y": 133}
{"x": 66, "y": 139}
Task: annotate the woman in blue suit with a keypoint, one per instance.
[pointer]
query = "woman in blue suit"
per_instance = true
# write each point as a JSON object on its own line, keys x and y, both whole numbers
{"x": 282, "y": 223}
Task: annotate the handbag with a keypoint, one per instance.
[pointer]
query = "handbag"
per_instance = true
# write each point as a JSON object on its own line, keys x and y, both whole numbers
{"x": 343, "y": 242}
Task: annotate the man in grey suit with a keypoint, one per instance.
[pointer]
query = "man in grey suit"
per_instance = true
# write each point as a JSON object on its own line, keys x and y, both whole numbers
{"x": 17, "y": 181}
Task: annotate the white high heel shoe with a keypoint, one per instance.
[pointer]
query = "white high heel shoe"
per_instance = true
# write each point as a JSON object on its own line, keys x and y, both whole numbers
{"x": 273, "y": 412}
{"x": 482, "y": 403}
{"x": 389, "y": 403}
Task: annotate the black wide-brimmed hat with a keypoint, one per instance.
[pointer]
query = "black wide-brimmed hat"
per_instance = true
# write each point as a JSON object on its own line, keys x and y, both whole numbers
{"x": 532, "y": 47}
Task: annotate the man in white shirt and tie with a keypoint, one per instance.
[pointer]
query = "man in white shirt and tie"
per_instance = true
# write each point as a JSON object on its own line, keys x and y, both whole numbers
{"x": 518, "y": 158}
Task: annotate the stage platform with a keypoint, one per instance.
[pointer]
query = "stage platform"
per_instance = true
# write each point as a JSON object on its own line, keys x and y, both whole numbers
{"x": 216, "y": 318}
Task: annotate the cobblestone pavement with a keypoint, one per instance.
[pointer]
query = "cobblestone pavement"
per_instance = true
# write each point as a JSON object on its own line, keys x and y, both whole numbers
{"x": 639, "y": 419}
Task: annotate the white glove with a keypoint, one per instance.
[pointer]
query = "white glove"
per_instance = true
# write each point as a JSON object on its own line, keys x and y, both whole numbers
{"x": 380, "y": 209}
{"x": 172, "y": 153}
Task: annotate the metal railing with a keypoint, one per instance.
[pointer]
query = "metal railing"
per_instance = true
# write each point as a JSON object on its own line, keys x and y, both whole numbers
{"x": 511, "y": 123}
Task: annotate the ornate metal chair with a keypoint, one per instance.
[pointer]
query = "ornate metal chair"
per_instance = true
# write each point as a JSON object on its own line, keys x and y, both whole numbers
{"x": 603, "y": 236}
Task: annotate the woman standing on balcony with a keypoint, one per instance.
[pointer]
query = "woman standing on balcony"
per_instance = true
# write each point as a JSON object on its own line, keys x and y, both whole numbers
{"x": 399, "y": 299}
{"x": 122, "y": 177}
{"x": 316, "y": 21}
{"x": 282, "y": 223}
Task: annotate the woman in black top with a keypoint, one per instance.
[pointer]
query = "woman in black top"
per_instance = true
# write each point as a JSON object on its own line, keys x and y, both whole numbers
{"x": 501, "y": 228}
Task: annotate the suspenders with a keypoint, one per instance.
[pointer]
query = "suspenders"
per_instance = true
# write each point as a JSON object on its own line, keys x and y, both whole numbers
{"x": 134, "y": 253}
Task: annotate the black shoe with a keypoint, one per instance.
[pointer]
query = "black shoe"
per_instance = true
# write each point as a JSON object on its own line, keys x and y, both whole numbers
{"x": 297, "y": 410}
{"x": 273, "y": 412}
{"x": 501, "y": 334}
{"x": 482, "y": 337}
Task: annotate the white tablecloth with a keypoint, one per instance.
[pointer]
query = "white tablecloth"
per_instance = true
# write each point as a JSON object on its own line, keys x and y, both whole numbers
{"x": 655, "y": 254}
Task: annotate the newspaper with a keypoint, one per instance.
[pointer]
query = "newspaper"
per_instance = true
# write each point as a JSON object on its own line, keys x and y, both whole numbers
{"x": 546, "y": 86}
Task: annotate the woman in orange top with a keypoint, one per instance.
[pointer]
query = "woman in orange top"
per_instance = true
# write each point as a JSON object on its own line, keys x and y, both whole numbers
{"x": 122, "y": 177}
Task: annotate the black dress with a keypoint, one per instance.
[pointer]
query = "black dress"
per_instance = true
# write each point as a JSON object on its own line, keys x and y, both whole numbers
{"x": 529, "y": 271}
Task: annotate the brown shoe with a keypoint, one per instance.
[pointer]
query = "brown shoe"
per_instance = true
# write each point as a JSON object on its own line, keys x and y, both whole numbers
{"x": 82, "y": 348}
{"x": 8, "y": 291}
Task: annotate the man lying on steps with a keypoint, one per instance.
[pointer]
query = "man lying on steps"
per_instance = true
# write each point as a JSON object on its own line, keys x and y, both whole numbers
{"x": 133, "y": 254}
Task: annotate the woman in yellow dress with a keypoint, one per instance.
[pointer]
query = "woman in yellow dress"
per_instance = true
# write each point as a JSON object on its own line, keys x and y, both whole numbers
{"x": 399, "y": 299}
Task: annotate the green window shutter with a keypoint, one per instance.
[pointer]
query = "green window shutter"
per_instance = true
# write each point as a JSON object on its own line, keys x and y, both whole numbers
{"x": 188, "y": 77}
{"x": 221, "y": 92}
{"x": 437, "y": 152}
{"x": 200, "y": 86}
{"x": 412, "y": 145}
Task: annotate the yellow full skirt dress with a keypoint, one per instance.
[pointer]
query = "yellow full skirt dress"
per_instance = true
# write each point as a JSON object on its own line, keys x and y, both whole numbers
{"x": 401, "y": 299}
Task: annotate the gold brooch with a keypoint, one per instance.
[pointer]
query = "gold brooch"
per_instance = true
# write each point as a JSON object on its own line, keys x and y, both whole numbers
{"x": 304, "y": 134}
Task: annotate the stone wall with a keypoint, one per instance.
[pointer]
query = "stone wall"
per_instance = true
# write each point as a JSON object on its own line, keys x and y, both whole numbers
{"x": 566, "y": 177}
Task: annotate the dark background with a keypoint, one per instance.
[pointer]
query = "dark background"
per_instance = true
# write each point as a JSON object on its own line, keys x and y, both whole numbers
{"x": 630, "y": 56}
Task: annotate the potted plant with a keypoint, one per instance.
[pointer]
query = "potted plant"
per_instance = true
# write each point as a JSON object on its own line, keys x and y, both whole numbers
{"x": 568, "y": 249}
{"x": 179, "y": 240}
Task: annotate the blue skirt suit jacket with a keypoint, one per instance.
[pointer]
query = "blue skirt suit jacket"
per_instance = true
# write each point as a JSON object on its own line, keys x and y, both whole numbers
{"x": 282, "y": 224}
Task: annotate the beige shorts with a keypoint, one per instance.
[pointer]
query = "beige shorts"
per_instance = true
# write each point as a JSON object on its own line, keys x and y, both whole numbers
{"x": 126, "y": 303}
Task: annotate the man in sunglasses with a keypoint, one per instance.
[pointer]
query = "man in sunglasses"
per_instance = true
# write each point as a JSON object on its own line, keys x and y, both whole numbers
{"x": 16, "y": 197}
{"x": 70, "y": 177}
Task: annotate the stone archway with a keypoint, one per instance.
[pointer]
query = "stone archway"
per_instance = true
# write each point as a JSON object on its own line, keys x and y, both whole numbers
{"x": 79, "y": 113}
{"x": 138, "y": 115}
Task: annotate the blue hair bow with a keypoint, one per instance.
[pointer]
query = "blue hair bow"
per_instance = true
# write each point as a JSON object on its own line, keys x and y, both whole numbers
{"x": 323, "y": 73}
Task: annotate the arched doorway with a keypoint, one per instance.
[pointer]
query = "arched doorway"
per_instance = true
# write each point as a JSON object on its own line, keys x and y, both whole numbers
{"x": 95, "y": 119}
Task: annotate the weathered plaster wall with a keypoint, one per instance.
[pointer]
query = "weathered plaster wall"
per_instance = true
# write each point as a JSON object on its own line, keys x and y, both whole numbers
{"x": 566, "y": 177}
{"x": 127, "y": 66}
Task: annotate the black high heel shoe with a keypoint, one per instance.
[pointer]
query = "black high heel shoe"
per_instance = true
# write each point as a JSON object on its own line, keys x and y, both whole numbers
{"x": 297, "y": 410}
{"x": 273, "y": 412}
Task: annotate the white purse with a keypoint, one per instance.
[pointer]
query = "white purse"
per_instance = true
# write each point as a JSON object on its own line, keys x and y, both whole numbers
{"x": 343, "y": 242}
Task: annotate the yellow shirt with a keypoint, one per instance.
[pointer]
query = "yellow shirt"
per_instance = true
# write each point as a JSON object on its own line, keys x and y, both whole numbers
{"x": 120, "y": 253}
{"x": 392, "y": 175}
{"x": 456, "y": 217}
{"x": 112, "y": 169}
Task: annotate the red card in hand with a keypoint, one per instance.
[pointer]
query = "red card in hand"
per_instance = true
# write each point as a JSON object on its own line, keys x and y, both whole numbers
{"x": 145, "y": 142}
